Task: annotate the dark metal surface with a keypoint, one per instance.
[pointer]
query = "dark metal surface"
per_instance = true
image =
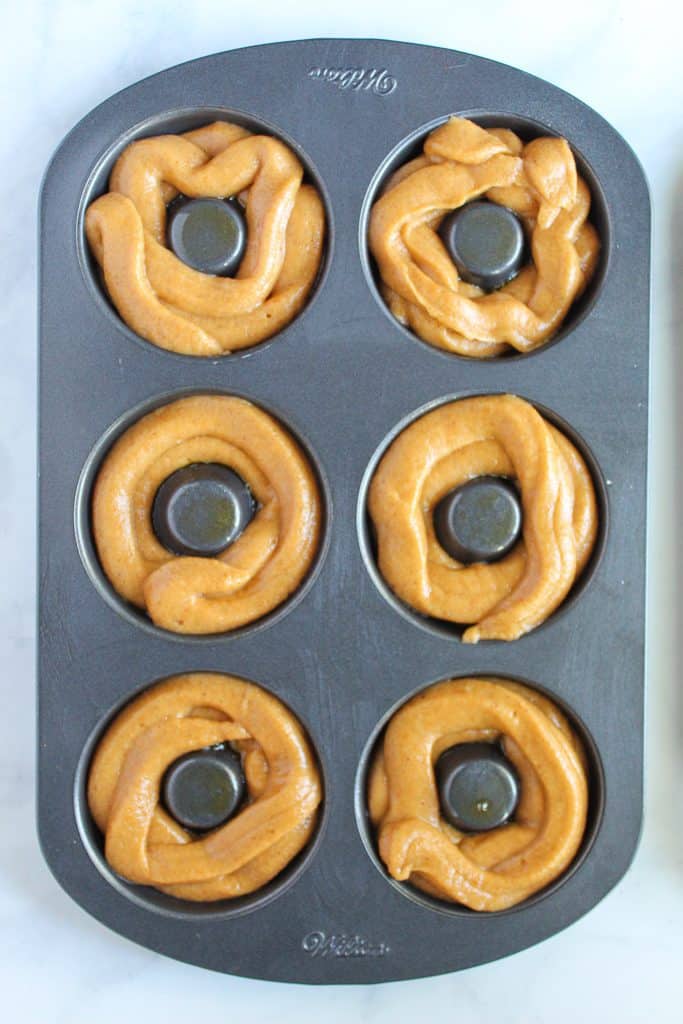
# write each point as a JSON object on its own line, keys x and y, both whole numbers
{"x": 342, "y": 375}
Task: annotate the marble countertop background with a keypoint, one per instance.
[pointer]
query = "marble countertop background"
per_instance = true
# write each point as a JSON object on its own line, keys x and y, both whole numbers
{"x": 621, "y": 962}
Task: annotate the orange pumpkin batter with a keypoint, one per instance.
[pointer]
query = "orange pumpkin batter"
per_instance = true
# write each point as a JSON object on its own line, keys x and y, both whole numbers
{"x": 168, "y": 302}
{"x": 498, "y": 435}
{"x": 145, "y": 845}
{"x": 254, "y": 574}
{"x": 537, "y": 181}
{"x": 490, "y": 870}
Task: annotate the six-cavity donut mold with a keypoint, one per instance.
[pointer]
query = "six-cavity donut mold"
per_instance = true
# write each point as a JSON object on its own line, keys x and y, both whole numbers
{"x": 339, "y": 650}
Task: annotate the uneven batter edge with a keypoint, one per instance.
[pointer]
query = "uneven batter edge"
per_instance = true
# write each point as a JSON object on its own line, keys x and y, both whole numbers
{"x": 491, "y": 435}
{"x": 252, "y": 576}
{"x": 538, "y": 181}
{"x": 492, "y": 870}
{"x": 168, "y": 302}
{"x": 146, "y": 846}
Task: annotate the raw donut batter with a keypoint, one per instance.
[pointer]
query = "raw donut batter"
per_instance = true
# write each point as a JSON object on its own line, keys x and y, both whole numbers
{"x": 490, "y": 870}
{"x": 168, "y": 302}
{"x": 145, "y": 845}
{"x": 250, "y": 577}
{"x": 498, "y": 435}
{"x": 538, "y": 181}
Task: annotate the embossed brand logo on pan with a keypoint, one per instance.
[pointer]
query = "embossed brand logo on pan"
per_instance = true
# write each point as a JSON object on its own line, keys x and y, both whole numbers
{"x": 323, "y": 945}
{"x": 376, "y": 80}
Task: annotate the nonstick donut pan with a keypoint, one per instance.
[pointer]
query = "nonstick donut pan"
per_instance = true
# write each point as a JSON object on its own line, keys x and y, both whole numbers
{"x": 344, "y": 377}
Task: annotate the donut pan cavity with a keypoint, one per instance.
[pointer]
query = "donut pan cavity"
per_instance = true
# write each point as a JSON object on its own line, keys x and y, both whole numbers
{"x": 342, "y": 376}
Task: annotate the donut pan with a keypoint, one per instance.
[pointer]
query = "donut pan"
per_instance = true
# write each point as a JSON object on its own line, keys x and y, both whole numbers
{"x": 343, "y": 376}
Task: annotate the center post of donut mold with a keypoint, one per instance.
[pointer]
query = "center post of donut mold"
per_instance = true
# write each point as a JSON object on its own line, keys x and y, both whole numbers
{"x": 208, "y": 234}
{"x": 201, "y": 509}
{"x": 203, "y": 789}
{"x": 478, "y": 786}
{"x": 486, "y": 242}
{"x": 481, "y": 521}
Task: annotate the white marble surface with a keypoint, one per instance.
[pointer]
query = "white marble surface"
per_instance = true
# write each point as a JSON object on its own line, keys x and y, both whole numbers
{"x": 621, "y": 962}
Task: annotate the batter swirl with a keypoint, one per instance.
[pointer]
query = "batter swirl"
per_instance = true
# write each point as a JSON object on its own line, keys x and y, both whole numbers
{"x": 250, "y": 577}
{"x": 185, "y": 713}
{"x": 492, "y": 870}
{"x": 168, "y": 302}
{"x": 498, "y": 435}
{"x": 538, "y": 181}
